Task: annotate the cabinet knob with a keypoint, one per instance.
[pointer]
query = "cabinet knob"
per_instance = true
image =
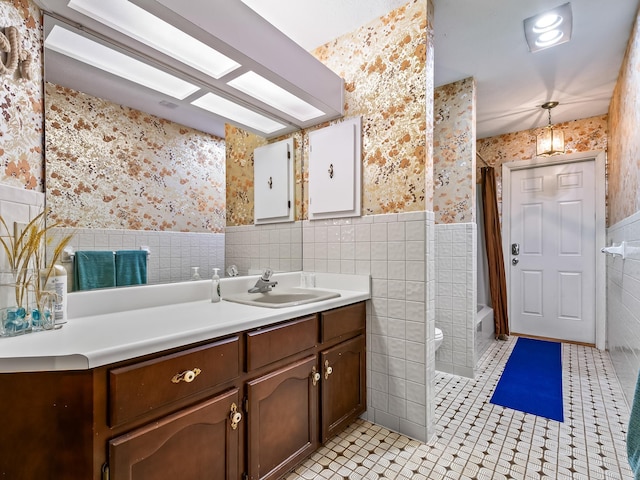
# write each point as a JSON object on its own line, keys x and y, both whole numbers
{"x": 327, "y": 370}
{"x": 187, "y": 376}
{"x": 235, "y": 416}
{"x": 315, "y": 376}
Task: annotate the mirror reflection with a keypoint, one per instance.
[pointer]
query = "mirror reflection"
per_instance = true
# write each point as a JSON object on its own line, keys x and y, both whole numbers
{"x": 126, "y": 179}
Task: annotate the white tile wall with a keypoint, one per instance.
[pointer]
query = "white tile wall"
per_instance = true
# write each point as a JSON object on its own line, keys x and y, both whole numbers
{"x": 623, "y": 304}
{"x": 172, "y": 253}
{"x": 431, "y": 323}
{"x": 256, "y": 247}
{"x": 393, "y": 250}
{"x": 456, "y": 297}
{"x": 17, "y": 205}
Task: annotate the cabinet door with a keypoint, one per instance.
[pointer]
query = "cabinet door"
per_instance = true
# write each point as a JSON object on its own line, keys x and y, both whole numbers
{"x": 335, "y": 163}
{"x": 196, "y": 443}
{"x": 282, "y": 419}
{"x": 344, "y": 396}
{"x": 273, "y": 182}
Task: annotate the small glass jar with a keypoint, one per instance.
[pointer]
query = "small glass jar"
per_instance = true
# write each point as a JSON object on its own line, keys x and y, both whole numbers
{"x": 43, "y": 314}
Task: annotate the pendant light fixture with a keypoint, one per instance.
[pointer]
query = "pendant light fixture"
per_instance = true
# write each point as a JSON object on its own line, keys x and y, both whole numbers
{"x": 550, "y": 141}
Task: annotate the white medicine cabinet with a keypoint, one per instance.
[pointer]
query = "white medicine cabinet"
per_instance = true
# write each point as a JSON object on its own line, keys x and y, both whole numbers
{"x": 273, "y": 182}
{"x": 335, "y": 170}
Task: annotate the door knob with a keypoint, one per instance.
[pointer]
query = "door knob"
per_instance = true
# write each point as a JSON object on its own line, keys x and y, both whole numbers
{"x": 235, "y": 416}
{"x": 187, "y": 376}
{"x": 514, "y": 261}
{"x": 327, "y": 370}
{"x": 315, "y": 376}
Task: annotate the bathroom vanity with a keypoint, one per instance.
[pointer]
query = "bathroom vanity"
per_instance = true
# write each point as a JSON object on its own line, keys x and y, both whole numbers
{"x": 225, "y": 391}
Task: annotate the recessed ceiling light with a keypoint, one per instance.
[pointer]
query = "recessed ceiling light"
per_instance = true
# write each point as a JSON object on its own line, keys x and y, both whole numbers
{"x": 547, "y": 22}
{"x": 549, "y": 28}
{"x": 549, "y": 38}
{"x": 141, "y": 25}
{"x": 98, "y": 55}
{"x": 228, "y": 109}
{"x": 268, "y": 92}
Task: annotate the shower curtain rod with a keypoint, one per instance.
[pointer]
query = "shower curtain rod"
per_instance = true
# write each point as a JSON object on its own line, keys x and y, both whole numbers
{"x": 482, "y": 159}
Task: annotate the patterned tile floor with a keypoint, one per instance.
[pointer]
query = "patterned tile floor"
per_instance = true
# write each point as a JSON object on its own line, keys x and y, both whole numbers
{"x": 476, "y": 440}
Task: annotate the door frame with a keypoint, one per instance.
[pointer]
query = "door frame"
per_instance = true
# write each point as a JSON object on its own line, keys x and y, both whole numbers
{"x": 599, "y": 157}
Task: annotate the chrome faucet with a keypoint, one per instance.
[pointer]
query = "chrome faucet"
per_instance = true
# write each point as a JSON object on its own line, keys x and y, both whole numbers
{"x": 263, "y": 284}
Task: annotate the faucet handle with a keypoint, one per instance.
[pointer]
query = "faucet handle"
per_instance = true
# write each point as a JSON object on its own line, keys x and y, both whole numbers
{"x": 266, "y": 275}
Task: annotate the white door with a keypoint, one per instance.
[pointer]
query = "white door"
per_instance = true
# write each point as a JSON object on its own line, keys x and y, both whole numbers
{"x": 552, "y": 252}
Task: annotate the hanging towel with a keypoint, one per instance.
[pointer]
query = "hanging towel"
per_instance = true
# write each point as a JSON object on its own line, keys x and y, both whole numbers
{"x": 633, "y": 433}
{"x": 94, "y": 269}
{"x": 131, "y": 267}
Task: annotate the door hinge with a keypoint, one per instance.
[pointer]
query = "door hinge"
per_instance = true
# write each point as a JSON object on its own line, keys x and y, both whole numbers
{"x": 105, "y": 472}
{"x": 288, "y": 203}
{"x": 245, "y": 404}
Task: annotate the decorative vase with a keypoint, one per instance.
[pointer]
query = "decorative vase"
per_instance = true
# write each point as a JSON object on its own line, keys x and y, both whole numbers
{"x": 15, "y": 314}
{"x": 43, "y": 312}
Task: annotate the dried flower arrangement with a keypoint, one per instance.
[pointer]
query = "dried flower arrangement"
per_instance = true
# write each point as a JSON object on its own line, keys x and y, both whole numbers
{"x": 28, "y": 264}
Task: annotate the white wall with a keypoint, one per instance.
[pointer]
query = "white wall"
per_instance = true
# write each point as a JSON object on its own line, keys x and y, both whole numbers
{"x": 256, "y": 247}
{"x": 172, "y": 253}
{"x": 456, "y": 297}
{"x": 623, "y": 304}
{"x": 17, "y": 205}
{"x": 397, "y": 251}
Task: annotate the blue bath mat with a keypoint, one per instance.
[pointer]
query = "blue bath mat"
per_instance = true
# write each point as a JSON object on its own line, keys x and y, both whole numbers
{"x": 532, "y": 379}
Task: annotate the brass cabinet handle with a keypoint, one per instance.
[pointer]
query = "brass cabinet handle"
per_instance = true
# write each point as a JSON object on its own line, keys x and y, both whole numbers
{"x": 235, "y": 416}
{"x": 315, "y": 376}
{"x": 187, "y": 376}
{"x": 327, "y": 370}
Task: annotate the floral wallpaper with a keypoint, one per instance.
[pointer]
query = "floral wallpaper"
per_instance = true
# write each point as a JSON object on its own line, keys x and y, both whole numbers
{"x": 624, "y": 142}
{"x": 384, "y": 65}
{"x": 21, "y": 137}
{"x": 454, "y": 152}
{"x": 240, "y": 146}
{"x": 579, "y": 136}
{"x": 239, "y": 159}
{"x": 110, "y": 166}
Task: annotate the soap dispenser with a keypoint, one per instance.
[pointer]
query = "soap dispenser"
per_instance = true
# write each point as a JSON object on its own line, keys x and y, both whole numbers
{"x": 215, "y": 286}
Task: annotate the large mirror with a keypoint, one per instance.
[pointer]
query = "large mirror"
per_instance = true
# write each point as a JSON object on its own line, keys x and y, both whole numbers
{"x": 127, "y": 169}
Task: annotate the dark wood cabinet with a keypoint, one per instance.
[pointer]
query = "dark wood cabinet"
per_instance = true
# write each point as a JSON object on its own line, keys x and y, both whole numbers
{"x": 343, "y": 369}
{"x": 286, "y": 388}
{"x": 143, "y": 387}
{"x": 195, "y": 443}
{"x": 282, "y": 419}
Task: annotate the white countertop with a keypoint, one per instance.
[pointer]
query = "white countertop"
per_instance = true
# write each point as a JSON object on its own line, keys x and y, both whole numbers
{"x": 108, "y": 326}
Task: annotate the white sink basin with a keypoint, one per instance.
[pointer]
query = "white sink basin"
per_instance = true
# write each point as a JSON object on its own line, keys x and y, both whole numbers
{"x": 281, "y": 297}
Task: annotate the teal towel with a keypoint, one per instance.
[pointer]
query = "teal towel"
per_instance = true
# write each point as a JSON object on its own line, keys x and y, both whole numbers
{"x": 633, "y": 433}
{"x": 131, "y": 267}
{"x": 94, "y": 269}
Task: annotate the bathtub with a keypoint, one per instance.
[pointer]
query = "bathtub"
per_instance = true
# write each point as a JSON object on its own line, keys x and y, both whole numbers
{"x": 485, "y": 330}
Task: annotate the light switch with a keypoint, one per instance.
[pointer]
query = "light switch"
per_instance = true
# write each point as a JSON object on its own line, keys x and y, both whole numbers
{"x": 18, "y": 228}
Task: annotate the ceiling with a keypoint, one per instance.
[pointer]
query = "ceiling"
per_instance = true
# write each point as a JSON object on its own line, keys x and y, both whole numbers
{"x": 485, "y": 39}
{"x": 270, "y": 77}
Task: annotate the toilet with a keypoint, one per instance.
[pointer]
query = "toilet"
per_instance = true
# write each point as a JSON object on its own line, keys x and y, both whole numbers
{"x": 439, "y": 338}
